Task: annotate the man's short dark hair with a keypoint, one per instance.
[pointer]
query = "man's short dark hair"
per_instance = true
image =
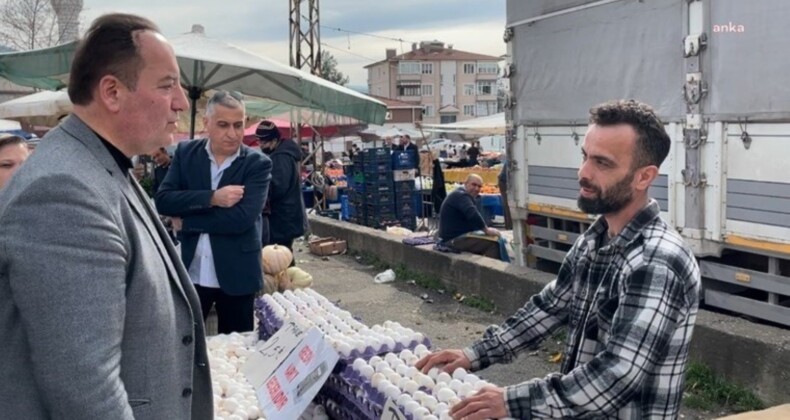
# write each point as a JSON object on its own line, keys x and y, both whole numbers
{"x": 652, "y": 141}
{"x": 110, "y": 47}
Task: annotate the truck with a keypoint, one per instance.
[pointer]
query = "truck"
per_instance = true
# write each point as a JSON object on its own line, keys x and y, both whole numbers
{"x": 716, "y": 72}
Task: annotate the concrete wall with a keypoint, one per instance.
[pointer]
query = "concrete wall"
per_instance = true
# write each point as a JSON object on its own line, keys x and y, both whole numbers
{"x": 754, "y": 355}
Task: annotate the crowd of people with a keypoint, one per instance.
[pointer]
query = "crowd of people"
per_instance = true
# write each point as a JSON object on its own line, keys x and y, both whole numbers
{"x": 101, "y": 313}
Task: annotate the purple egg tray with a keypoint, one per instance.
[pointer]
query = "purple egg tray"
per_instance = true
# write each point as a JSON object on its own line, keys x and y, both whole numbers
{"x": 269, "y": 324}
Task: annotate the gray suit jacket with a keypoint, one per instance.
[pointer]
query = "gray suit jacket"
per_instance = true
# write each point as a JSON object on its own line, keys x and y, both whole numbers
{"x": 98, "y": 318}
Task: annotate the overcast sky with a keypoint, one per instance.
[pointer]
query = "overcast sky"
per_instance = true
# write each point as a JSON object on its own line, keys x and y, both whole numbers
{"x": 262, "y": 25}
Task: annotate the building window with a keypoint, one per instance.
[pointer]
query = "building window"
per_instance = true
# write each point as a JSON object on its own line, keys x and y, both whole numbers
{"x": 469, "y": 110}
{"x": 427, "y": 68}
{"x": 409, "y": 67}
{"x": 428, "y": 111}
{"x": 487, "y": 67}
{"x": 427, "y": 90}
{"x": 448, "y": 119}
{"x": 469, "y": 68}
{"x": 483, "y": 108}
{"x": 469, "y": 89}
{"x": 409, "y": 90}
{"x": 486, "y": 87}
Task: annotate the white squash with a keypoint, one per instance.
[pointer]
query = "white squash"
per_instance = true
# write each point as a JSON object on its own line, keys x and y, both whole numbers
{"x": 299, "y": 278}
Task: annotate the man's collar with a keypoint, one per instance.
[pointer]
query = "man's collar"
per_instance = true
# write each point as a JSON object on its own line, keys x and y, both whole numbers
{"x": 230, "y": 158}
{"x": 630, "y": 232}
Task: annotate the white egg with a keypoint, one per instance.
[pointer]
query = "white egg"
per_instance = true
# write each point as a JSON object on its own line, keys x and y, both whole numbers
{"x": 480, "y": 384}
{"x": 230, "y": 404}
{"x": 235, "y": 417}
{"x": 444, "y": 377}
{"x": 359, "y": 363}
{"x": 455, "y": 384}
{"x": 421, "y": 413}
{"x": 471, "y": 378}
{"x": 434, "y": 372}
{"x": 389, "y": 342}
{"x": 403, "y": 399}
{"x": 418, "y": 395}
{"x": 425, "y": 381}
{"x": 242, "y": 414}
{"x": 412, "y": 372}
{"x": 374, "y": 360}
{"x": 411, "y": 387}
{"x": 403, "y": 370}
{"x": 376, "y": 379}
{"x": 430, "y": 417}
{"x": 394, "y": 377}
{"x": 441, "y": 407}
{"x": 403, "y": 382}
{"x": 465, "y": 390}
{"x": 412, "y": 360}
{"x": 344, "y": 349}
{"x": 390, "y": 357}
{"x": 453, "y": 401}
{"x": 459, "y": 373}
{"x": 445, "y": 394}
{"x": 383, "y": 385}
{"x": 405, "y": 353}
{"x": 430, "y": 403}
{"x": 410, "y": 406}
{"x": 387, "y": 371}
{"x": 380, "y": 366}
{"x": 420, "y": 348}
{"x": 367, "y": 371}
{"x": 392, "y": 391}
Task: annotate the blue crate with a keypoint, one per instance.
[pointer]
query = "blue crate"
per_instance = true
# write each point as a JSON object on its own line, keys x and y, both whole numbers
{"x": 408, "y": 222}
{"x": 404, "y": 159}
{"x": 405, "y": 208}
{"x": 375, "y": 154}
{"x": 381, "y": 221}
{"x": 376, "y": 187}
{"x": 377, "y": 167}
{"x": 385, "y": 197}
{"x": 403, "y": 195}
{"x": 378, "y": 177}
{"x": 404, "y": 186}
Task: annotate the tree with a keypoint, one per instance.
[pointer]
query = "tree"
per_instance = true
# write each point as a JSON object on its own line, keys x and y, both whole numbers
{"x": 29, "y": 24}
{"x": 329, "y": 69}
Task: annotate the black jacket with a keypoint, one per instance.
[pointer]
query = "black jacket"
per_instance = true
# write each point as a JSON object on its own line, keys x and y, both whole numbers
{"x": 459, "y": 215}
{"x": 285, "y": 205}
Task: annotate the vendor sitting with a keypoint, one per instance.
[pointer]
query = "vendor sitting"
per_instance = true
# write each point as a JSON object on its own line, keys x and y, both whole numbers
{"x": 462, "y": 227}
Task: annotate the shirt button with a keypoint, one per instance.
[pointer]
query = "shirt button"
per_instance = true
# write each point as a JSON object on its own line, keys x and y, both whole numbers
{"x": 187, "y": 340}
{"x": 186, "y": 393}
{"x": 201, "y": 364}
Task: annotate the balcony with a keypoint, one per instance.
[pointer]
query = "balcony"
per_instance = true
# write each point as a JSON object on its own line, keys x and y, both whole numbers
{"x": 415, "y": 77}
{"x": 414, "y": 99}
{"x": 486, "y": 76}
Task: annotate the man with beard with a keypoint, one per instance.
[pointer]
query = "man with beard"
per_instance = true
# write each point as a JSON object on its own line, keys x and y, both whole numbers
{"x": 628, "y": 291}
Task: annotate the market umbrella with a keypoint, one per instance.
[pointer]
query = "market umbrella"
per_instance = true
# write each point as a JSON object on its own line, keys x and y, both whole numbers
{"x": 207, "y": 63}
{"x": 488, "y": 125}
{"x": 44, "y": 108}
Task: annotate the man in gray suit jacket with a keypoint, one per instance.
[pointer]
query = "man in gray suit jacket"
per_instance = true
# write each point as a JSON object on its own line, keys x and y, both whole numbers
{"x": 98, "y": 318}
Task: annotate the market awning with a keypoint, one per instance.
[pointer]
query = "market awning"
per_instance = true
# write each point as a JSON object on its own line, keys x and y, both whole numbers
{"x": 492, "y": 124}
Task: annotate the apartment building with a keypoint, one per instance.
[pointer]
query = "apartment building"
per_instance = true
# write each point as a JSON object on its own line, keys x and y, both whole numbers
{"x": 451, "y": 85}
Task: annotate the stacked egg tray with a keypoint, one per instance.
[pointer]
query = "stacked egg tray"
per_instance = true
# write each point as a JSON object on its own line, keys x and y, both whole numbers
{"x": 347, "y": 335}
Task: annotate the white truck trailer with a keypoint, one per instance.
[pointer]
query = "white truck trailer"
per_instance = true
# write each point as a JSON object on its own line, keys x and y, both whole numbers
{"x": 718, "y": 74}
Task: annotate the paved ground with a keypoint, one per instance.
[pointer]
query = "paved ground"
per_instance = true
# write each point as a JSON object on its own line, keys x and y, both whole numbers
{"x": 449, "y": 324}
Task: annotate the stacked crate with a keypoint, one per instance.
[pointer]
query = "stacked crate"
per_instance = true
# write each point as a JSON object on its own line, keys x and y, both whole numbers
{"x": 407, "y": 203}
{"x": 371, "y": 198}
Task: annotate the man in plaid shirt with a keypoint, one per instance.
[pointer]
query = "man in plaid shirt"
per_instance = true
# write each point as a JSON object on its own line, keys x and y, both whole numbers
{"x": 628, "y": 291}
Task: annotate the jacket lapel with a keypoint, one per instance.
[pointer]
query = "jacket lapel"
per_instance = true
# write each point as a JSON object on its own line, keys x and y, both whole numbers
{"x": 233, "y": 170}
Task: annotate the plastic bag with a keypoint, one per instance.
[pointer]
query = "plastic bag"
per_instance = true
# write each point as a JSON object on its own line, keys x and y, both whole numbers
{"x": 384, "y": 277}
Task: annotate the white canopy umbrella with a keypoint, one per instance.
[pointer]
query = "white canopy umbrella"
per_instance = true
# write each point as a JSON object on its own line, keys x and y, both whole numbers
{"x": 488, "y": 125}
{"x": 207, "y": 63}
{"x": 47, "y": 105}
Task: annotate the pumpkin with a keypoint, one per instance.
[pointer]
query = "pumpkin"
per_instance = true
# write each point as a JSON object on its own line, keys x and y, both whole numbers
{"x": 269, "y": 284}
{"x": 299, "y": 278}
{"x": 283, "y": 281}
{"x": 275, "y": 258}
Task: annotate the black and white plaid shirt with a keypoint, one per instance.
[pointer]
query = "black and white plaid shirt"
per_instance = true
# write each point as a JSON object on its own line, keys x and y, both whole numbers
{"x": 630, "y": 307}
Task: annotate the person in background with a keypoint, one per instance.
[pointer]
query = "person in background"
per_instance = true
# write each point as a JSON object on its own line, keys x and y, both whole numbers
{"x": 214, "y": 192}
{"x": 628, "y": 291}
{"x": 405, "y": 144}
{"x": 13, "y": 153}
{"x": 104, "y": 327}
{"x": 162, "y": 161}
{"x": 284, "y": 208}
{"x": 462, "y": 227}
{"x": 473, "y": 153}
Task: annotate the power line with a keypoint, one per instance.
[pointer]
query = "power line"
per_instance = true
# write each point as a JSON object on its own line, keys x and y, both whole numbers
{"x": 347, "y": 52}
{"x": 365, "y": 34}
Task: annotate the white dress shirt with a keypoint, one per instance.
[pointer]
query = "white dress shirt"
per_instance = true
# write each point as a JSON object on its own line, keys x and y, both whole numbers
{"x": 202, "y": 271}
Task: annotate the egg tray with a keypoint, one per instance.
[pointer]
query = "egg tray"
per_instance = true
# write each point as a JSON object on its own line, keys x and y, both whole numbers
{"x": 269, "y": 324}
{"x": 354, "y": 402}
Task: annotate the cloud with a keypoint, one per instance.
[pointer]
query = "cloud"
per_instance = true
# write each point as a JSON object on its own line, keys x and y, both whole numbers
{"x": 262, "y": 26}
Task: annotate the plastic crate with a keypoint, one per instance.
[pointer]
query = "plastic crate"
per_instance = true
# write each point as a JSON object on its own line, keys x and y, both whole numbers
{"x": 404, "y": 174}
{"x": 404, "y": 186}
{"x": 375, "y": 154}
{"x": 376, "y": 187}
{"x": 378, "y": 167}
{"x": 381, "y": 221}
{"x": 404, "y": 159}
{"x": 379, "y": 198}
{"x": 408, "y": 222}
{"x": 378, "y": 177}
{"x": 401, "y": 196}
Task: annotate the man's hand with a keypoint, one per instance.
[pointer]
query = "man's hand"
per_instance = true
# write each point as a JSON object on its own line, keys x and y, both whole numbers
{"x": 176, "y": 223}
{"x": 493, "y": 232}
{"x": 227, "y": 196}
{"x": 488, "y": 403}
{"x": 451, "y": 359}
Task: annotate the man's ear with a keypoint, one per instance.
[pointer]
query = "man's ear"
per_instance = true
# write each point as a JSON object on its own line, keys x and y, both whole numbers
{"x": 644, "y": 177}
{"x": 109, "y": 93}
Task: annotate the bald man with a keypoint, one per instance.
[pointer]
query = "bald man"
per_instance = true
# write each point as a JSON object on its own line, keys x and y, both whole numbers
{"x": 462, "y": 227}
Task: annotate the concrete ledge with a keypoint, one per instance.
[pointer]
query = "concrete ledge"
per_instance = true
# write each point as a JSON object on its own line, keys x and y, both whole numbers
{"x": 756, "y": 356}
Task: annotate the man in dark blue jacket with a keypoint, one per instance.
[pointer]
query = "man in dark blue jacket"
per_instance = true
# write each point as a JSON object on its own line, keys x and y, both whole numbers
{"x": 215, "y": 190}
{"x": 462, "y": 227}
{"x": 285, "y": 205}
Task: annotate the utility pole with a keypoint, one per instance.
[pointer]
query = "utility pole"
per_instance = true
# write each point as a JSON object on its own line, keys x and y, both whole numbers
{"x": 305, "y": 54}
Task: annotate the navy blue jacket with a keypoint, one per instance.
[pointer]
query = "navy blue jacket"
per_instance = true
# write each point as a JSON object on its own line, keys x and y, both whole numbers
{"x": 286, "y": 210}
{"x": 234, "y": 233}
{"x": 459, "y": 215}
